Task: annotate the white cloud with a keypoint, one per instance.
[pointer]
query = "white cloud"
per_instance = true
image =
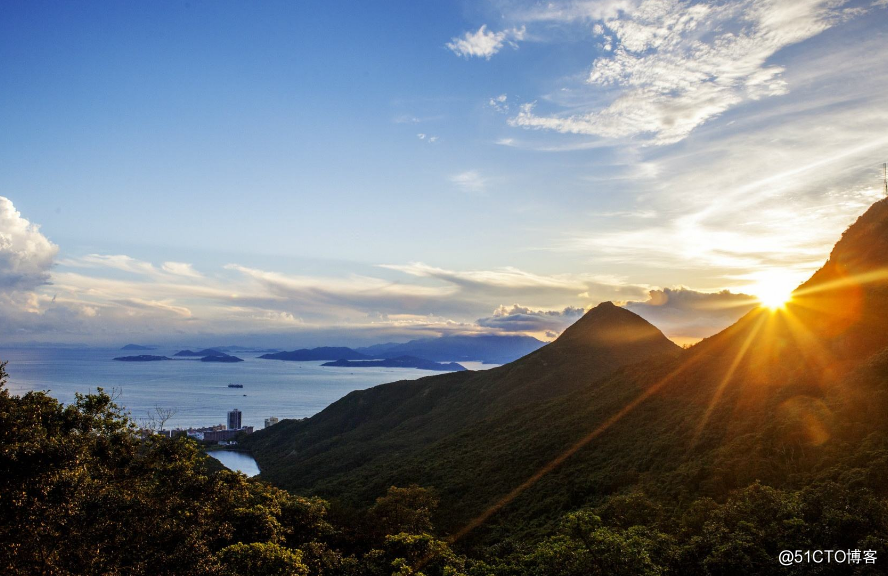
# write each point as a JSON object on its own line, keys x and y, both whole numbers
{"x": 26, "y": 255}
{"x": 674, "y": 65}
{"x": 517, "y": 318}
{"x": 685, "y": 314}
{"x": 180, "y": 269}
{"x": 499, "y": 103}
{"x": 484, "y": 43}
{"x": 775, "y": 190}
{"x": 574, "y": 10}
{"x": 120, "y": 262}
{"x": 470, "y": 181}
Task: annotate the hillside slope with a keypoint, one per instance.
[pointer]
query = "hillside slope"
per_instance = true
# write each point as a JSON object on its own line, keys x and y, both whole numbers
{"x": 362, "y": 428}
{"x": 790, "y": 398}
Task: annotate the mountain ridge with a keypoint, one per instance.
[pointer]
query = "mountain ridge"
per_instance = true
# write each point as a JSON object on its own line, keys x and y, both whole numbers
{"x": 428, "y": 409}
{"x": 788, "y": 397}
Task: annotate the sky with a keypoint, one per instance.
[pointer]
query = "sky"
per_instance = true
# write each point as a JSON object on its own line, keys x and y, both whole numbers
{"x": 316, "y": 173}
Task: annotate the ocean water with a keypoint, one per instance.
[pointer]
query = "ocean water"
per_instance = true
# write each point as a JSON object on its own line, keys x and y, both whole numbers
{"x": 237, "y": 461}
{"x": 198, "y": 391}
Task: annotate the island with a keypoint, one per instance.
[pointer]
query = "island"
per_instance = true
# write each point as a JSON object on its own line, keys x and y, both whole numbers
{"x": 322, "y": 353}
{"x": 141, "y": 358}
{"x": 134, "y": 347}
{"x": 400, "y": 362}
{"x": 201, "y": 353}
{"x": 222, "y": 358}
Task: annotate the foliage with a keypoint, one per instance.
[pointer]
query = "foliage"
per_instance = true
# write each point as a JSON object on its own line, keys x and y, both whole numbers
{"x": 407, "y": 510}
{"x": 82, "y": 493}
{"x": 262, "y": 559}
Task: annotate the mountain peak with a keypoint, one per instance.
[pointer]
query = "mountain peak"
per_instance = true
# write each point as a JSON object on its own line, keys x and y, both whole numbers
{"x": 610, "y": 325}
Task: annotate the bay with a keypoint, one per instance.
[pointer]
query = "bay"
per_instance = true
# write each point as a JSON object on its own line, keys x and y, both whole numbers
{"x": 197, "y": 391}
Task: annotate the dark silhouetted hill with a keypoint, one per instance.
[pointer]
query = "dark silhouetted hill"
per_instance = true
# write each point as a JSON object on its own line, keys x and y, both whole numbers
{"x": 314, "y": 354}
{"x": 141, "y": 358}
{"x": 358, "y": 436}
{"x": 200, "y": 353}
{"x": 224, "y": 358}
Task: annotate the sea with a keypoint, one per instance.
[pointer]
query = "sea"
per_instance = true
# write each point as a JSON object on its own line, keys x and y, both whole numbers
{"x": 197, "y": 391}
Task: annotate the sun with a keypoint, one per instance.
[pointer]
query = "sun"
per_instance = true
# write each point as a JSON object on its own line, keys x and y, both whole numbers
{"x": 773, "y": 291}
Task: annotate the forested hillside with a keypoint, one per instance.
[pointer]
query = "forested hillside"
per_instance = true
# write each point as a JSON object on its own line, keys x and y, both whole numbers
{"x": 404, "y": 420}
{"x": 792, "y": 398}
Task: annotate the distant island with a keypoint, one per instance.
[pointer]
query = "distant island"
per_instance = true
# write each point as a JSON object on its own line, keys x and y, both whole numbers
{"x": 141, "y": 358}
{"x": 201, "y": 353}
{"x": 486, "y": 348}
{"x": 322, "y": 353}
{"x": 400, "y": 362}
{"x": 134, "y": 347}
{"x": 222, "y": 358}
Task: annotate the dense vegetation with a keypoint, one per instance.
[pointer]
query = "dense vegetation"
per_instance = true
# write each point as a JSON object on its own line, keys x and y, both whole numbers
{"x": 81, "y": 493}
{"x": 378, "y": 431}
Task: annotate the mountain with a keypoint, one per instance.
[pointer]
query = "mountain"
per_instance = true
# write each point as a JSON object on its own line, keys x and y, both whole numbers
{"x": 486, "y": 348}
{"x": 201, "y": 353}
{"x": 354, "y": 440}
{"x": 792, "y": 398}
{"x": 141, "y": 358}
{"x": 313, "y": 354}
{"x": 399, "y": 362}
{"x": 134, "y": 347}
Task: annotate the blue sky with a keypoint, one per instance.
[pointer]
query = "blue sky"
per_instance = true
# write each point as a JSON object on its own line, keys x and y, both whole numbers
{"x": 340, "y": 172}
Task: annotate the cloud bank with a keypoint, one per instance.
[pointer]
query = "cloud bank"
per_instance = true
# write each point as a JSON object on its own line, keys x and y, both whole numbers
{"x": 523, "y": 319}
{"x": 26, "y": 255}
{"x": 687, "y": 315}
{"x": 668, "y": 66}
{"x": 107, "y": 297}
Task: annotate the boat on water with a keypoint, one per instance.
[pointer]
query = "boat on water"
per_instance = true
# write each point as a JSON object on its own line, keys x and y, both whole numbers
{"x": 235, "y": 385}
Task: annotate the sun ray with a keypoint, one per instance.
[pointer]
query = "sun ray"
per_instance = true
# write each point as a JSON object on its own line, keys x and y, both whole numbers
{"x": 716, "y": 396}
{"x": 574, "y": 448}
{"x": 854, "y": 280}
{"x": 774, "y": 295}
{"x": 811, "y": 348}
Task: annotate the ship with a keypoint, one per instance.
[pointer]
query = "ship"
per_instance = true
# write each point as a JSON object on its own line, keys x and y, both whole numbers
{"x": 235, "y": 385}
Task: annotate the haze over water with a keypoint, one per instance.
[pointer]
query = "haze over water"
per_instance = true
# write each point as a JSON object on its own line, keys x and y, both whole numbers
{"x": 197, "y": 390}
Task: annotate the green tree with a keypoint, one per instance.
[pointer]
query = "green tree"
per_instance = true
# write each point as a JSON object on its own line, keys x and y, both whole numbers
{"x": 262, "y": 559}
{"x": 82, "y": 492}
{"x": 404, "y": 510}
